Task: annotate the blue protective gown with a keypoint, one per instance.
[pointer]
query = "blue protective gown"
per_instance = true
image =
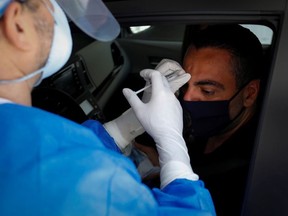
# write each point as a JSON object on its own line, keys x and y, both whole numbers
{"x": 50, "y": 166}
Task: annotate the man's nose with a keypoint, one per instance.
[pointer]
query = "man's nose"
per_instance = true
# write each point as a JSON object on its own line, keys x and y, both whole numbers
{"x": 192, "y": 94}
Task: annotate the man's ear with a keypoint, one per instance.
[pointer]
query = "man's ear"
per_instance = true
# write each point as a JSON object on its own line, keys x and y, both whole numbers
{"x": 16, "y": 26}
{"x": 251, "y": 92}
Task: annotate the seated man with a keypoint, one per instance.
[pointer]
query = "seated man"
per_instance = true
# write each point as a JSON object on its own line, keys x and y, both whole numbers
{"x": 220, "y": 110}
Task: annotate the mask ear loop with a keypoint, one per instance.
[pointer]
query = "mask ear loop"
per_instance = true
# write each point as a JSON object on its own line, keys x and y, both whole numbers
{"x": 50, "y": 11}
{"x": 234, "y": 120}
{"x": 21, "y": 79}
{"x": 239, "y": 90}
{"x": 55, "y": 23}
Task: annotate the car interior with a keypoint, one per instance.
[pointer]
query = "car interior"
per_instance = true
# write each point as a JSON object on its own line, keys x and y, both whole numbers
{"x": 97, "y": 71}
{"x": 90, "y": 84}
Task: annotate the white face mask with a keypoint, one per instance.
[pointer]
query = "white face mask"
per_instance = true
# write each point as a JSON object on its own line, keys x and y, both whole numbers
{"x": 60, "y": 49}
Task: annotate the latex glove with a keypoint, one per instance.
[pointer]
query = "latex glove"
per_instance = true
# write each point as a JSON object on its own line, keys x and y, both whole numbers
{"x": 124, "y": 129}
{"x": 167, "y": 67}
{"x": 162, "y": 119}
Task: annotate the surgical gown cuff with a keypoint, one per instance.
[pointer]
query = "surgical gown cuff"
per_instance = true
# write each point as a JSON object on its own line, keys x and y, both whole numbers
{"x": 101, "y": 132}
{"x": 188, "y": 194}
{"x": 176, "y": 170}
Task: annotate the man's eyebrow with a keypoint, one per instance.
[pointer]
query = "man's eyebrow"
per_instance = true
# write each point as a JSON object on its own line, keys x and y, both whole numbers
{"x": 209, "y": 82}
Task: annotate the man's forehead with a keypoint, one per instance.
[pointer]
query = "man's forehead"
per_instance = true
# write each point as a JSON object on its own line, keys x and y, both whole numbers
{"x": 209, "y": 63}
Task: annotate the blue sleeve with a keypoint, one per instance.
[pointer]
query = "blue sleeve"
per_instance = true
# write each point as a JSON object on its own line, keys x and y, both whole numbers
{"x": 100, "y": 131}
{"x": 64, "y": 170}
{"x": 181, "y": 197}
{"x": 185, "y": 196}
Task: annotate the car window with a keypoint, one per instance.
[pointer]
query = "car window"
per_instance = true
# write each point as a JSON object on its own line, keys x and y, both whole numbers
{"x": 148, "y": 32}
{"x": 138, "y": 29}
{"x": 164, "y": 32}
{"x": 264, "y": 33}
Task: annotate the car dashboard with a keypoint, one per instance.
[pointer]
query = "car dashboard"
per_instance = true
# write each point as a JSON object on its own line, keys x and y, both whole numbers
{"x": 81, "y": 89}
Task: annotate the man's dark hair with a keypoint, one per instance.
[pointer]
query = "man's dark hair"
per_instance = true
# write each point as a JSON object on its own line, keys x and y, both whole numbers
{"x": 246, "y": 49}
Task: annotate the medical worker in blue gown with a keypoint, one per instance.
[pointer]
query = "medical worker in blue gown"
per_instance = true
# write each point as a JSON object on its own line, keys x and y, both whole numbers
{"x": 50, "y": 166}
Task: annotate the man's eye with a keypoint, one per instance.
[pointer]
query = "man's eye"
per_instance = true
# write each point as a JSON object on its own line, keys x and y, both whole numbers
{"x": 208, "y": 92}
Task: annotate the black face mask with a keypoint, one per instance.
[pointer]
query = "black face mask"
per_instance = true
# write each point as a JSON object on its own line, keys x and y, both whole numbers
{"x": 209, "y": 118}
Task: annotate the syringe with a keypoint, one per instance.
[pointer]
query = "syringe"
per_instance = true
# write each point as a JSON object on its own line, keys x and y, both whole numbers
{"x": 169, "y": 78}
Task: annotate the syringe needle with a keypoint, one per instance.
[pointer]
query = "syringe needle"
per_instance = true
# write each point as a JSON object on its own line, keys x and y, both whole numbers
{"x": 169, "y": 77}
{"x": 140, "y": 90}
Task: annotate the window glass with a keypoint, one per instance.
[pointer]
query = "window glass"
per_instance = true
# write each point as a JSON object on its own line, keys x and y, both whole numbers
{"x": 263, "y": 33}
{"x": 137, "y": 29}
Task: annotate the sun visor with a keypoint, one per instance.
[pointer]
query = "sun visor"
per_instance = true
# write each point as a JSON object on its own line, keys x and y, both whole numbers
{"x": 92, "y": 17}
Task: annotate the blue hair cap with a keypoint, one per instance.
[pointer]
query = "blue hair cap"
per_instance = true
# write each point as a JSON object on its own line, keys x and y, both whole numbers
{"x": 3, "y": 6}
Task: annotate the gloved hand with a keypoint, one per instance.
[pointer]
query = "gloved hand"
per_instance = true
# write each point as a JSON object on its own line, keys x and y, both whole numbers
{"x": 167, "y": 67}
{"x": 126, "y": 127}
{"x": 162, "y": 119}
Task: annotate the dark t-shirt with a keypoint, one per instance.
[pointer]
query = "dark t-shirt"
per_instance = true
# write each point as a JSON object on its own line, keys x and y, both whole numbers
{"x": 225, "y": 170}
